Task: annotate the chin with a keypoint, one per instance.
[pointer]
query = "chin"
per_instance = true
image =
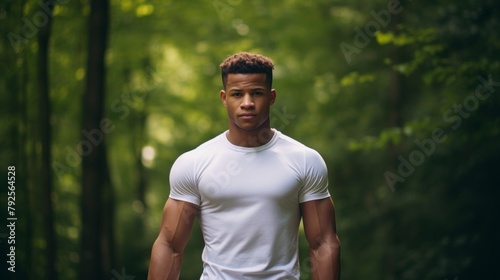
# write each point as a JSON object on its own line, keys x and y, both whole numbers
{"x": 248, "y": 128}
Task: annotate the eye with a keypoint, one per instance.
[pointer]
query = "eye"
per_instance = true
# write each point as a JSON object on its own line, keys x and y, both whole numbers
{"x": 257, "y": 93}
{"x": 236, "y": 94}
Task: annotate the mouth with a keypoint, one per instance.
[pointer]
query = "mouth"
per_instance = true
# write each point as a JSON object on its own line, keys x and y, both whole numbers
{"x": 247, "y": 116}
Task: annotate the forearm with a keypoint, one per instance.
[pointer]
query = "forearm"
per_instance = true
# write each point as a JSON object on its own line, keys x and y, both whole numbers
{"x": 325, "y": 261}
{"x": 165, "y": 263}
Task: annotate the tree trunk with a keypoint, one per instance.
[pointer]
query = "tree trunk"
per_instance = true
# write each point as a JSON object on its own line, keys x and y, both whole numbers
{"x": 45, "y": 137}
{"x": 95, "y": 258}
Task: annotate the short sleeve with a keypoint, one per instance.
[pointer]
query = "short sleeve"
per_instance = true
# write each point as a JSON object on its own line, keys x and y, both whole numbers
{"x": 183, "y": 183}
{"x": 315, "y": 178}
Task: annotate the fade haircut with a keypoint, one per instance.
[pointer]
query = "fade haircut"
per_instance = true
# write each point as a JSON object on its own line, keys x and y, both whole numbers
{"x": 247, "y": 63}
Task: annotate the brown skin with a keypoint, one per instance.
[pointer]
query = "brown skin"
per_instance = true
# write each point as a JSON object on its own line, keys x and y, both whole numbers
{"x": 168, "y": 249}
{"x": 318, "y": 217}
{"x": 248, "y": 99}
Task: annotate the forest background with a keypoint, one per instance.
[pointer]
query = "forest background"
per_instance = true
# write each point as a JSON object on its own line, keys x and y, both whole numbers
{"x": 98, "y": 98}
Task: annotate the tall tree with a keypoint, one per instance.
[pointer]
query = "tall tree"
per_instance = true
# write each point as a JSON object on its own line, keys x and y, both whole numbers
{"x": 96, "y": 255}
{"x": 45, "y": 139}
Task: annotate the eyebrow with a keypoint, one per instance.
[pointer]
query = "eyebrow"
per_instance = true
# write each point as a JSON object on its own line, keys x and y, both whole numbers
{"x": 252, "y": 89}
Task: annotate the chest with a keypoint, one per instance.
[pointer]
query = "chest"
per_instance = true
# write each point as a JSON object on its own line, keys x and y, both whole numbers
{"x": 246, "y": 178}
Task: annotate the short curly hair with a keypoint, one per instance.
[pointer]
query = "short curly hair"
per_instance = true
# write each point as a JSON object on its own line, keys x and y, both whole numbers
{"x": 247, "y": 63}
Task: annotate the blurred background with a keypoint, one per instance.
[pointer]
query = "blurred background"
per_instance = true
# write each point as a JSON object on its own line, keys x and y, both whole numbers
{"x": 401, "y": 98}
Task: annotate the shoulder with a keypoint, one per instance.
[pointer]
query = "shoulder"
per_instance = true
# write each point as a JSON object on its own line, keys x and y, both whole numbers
{"x": 202, "y": 150}
{"x": 185, "y": 172}
{"x": 310, "y": 167}
{"x": 210, "y": 144}
{"x": 306, "y": 159}
{"x": 290, "y": 144}
{"x": 193, "y": 161}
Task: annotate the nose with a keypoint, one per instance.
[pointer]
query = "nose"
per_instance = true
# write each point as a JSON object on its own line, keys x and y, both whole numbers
{"x": 247, "y": 101}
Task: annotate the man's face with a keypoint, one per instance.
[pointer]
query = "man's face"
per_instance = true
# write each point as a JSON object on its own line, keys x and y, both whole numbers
{"x": 247, "y": 99}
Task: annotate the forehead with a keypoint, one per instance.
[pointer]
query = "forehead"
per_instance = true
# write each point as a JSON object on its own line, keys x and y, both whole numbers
{"x": 246, "y": 80}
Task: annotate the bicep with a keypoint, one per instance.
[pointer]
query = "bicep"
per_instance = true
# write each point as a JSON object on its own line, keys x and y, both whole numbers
{"x": 319, "y": 220}
{"x": 177, "y": 222}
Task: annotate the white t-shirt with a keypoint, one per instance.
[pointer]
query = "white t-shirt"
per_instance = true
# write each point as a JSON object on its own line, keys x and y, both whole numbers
{"x": 249, "y": 203}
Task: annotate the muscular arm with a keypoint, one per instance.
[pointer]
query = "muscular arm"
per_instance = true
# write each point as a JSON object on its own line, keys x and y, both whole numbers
{"x": 321, "y": 233}
{"x": 167, "y": 252}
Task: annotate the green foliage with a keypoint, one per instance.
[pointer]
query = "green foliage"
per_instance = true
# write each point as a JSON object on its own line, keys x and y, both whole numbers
{"x": 417, "y": 74}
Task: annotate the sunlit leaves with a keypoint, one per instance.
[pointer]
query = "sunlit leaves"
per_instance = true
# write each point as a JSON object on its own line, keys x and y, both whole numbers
{"x": 144, "y": 10}
{"x": 355, "y": 78}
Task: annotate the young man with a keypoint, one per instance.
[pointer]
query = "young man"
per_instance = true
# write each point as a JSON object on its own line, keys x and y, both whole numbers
{"x": 249, "y": 186}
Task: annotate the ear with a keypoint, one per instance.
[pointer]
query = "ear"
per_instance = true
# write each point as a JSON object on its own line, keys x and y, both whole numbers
{"x": 273, "y": 96}
{"x": 223, "y": 97}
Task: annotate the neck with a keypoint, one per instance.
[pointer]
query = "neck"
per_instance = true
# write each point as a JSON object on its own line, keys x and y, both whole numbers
{"x": 250, "y": 138}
